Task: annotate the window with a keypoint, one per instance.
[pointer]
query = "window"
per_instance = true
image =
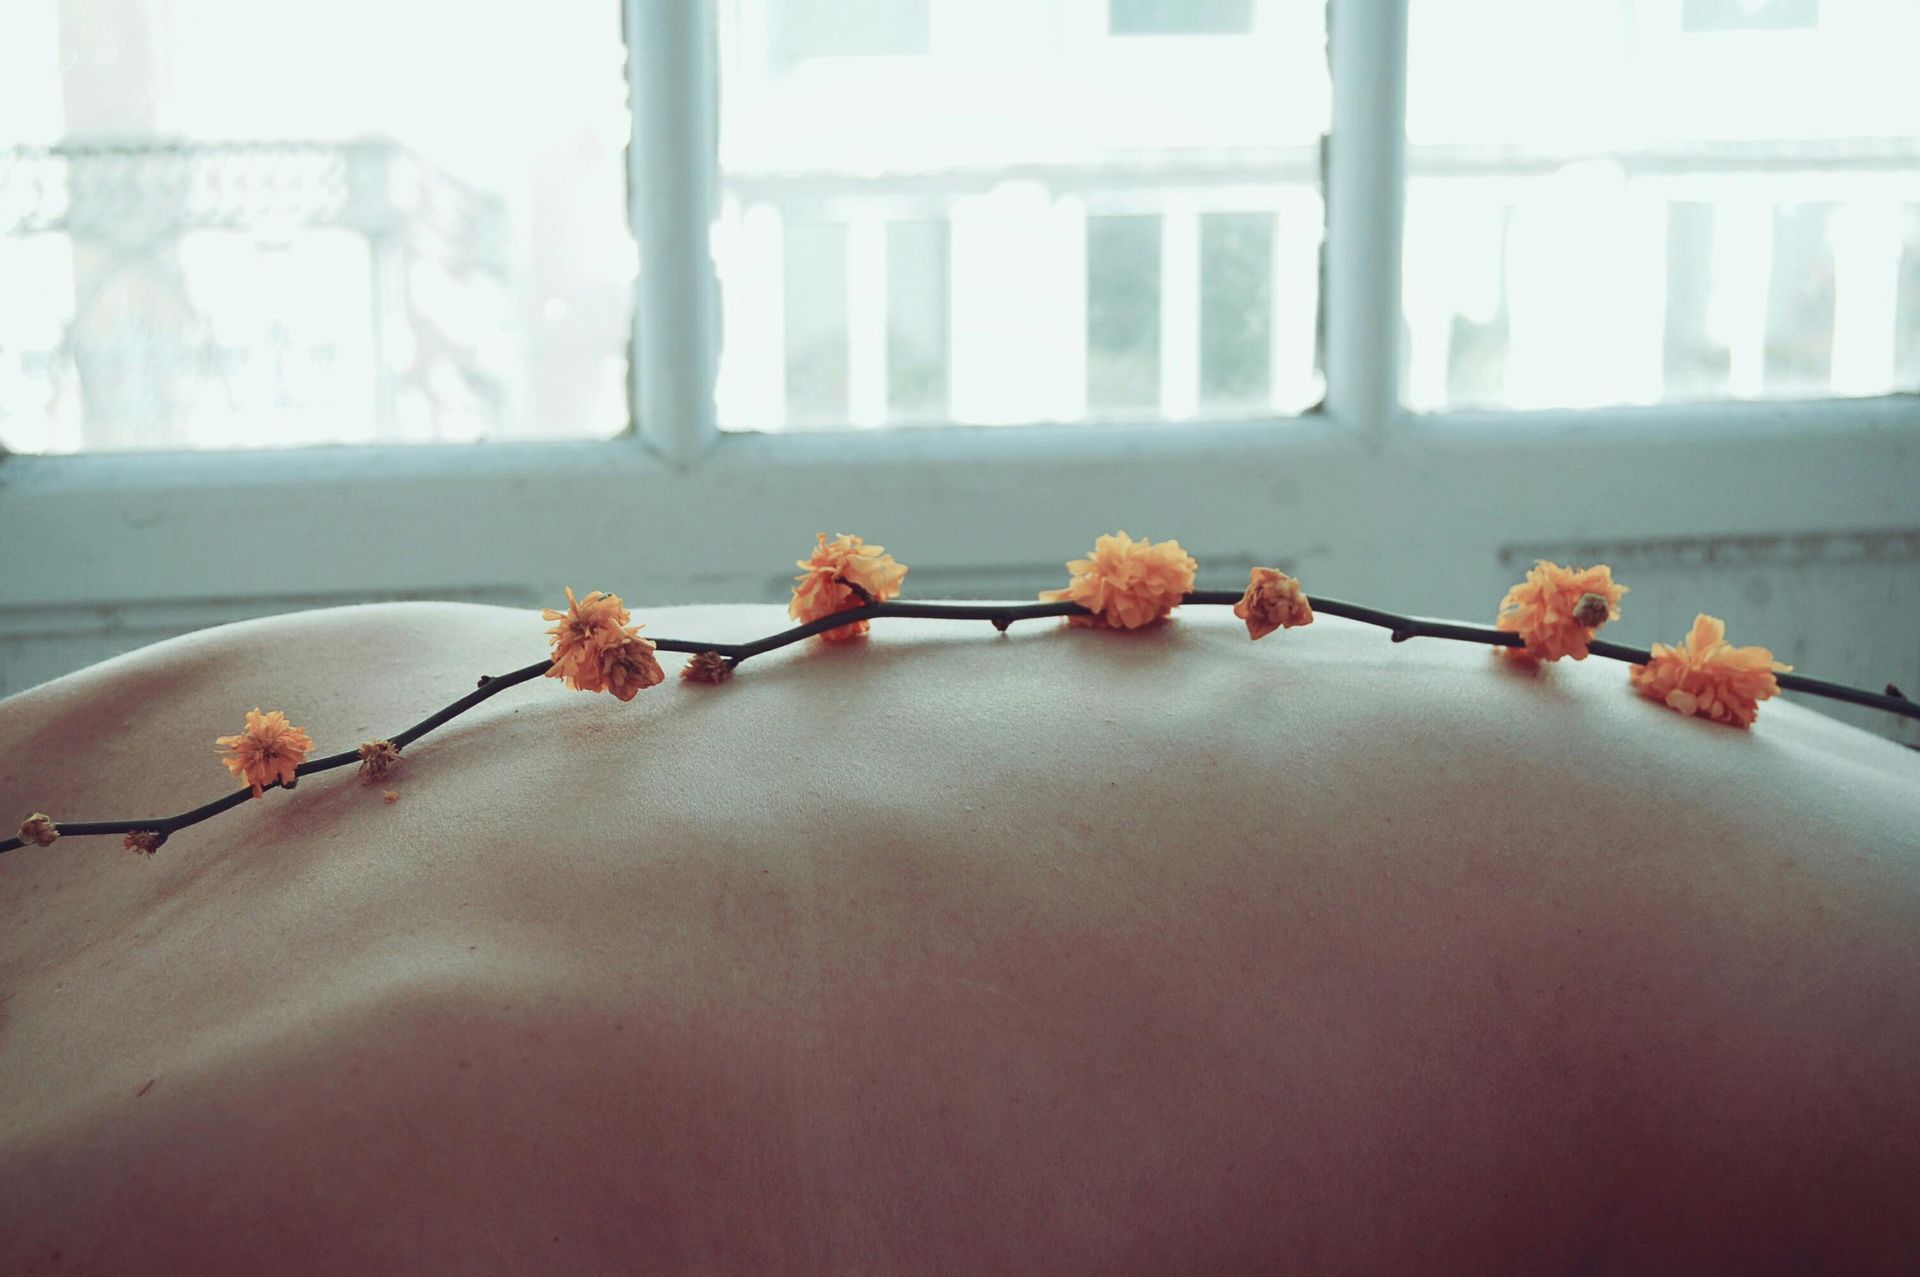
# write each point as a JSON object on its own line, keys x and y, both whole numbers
{"x": 928, "y": 212}
{"x": 1011, "y": 217}
{"x": 1663, "y": 222}
{"x": 228, "y": 223}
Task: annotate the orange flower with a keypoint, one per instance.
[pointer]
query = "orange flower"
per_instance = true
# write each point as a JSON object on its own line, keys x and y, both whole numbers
{"x": 144, "y": 840}
{"x": 1556, "y": 610}
{"x": 706, "y": 667}
{"x": 586, "y": 628}
{"x": 627, "y": 665}
{"x": 842, "y": 574}
{"x": 1273, "y": 601}
{"x": 1127, "y": 583}
{"x": 1708, "y": 676}
{"x": 39, "y": 830}
{"x": 595, "y": 650}
{"x": 270, "y": 749}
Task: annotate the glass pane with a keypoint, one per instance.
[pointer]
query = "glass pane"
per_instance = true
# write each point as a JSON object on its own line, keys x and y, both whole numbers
{"x": 1180, "y": 17}
{"x": 1236, "y": 308}
{"x": 254, "y": 223}
{"x": 802, "y": 29}
{"x": 1123, "y": 312}
{"x": 1641, "y": 201}
{"x": 1050, "y": 210}
{"x": 816, "y": 321}
{"x": 917, "y": 320}
{"x": 1906, "y": 371}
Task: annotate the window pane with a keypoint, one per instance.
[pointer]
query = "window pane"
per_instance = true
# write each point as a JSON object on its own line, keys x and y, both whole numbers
{"x": 1123, "y": 312}
{"x": 1907, "y": 305}
{"x": 1747, "y": 15}
{"x": 1637, "y": 201}
{"x": 816, "y": 314}
{"x": 1047, "y": 214}
{"x": 802, "y": 29}
{"x": 242, "y": 223}
{"x": 917, "y": 320}
{"x": 1236, "y": 308}
{"x": 1180, "y": 17}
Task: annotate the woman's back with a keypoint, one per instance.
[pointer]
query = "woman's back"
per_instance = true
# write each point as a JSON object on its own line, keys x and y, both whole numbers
{"x": 949, "y": 951}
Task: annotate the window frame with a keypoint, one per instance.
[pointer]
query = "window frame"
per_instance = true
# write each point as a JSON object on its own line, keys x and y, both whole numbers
{"x": 674, "y": 180}
{"x": 1353, "y": 486}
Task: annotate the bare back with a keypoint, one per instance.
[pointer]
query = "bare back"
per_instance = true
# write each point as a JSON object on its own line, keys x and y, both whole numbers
{"x": 955, "y": 952}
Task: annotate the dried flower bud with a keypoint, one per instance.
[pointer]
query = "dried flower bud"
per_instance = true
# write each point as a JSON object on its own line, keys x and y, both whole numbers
{"x": 1273, "y": 600}
{"x": 1592, "y": 611}
{"x": 1707, "y": 676}
{"x": 39, "y": 829}
{"x": 391, "y": 797}
{"x": 707, "y": 667}
{"x": 269, "y": 749}
{"x": 842, "y": 574}
{"x": 147, "y": 840}
{"x": 377, "y": 758}
{"x": 1126, "y": 584}
{"x": 1556, "y": 610}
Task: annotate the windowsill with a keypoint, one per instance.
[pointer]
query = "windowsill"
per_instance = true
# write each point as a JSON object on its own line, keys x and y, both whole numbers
{"x": 1250, "y": 441}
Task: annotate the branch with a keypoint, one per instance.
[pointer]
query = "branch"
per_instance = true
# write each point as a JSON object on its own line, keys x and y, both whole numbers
{"x": 1001, "y": 616}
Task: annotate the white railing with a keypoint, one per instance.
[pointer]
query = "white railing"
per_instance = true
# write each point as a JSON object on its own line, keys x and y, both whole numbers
{"x": 1595, "y": 266}
{"x": 187, "y": 291}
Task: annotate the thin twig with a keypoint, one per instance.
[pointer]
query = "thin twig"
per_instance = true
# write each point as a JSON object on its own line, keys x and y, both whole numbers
{"x": 1001, "y": 615}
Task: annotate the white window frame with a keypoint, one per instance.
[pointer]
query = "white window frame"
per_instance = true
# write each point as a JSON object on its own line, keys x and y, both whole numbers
{"x": 1353, "y": 494}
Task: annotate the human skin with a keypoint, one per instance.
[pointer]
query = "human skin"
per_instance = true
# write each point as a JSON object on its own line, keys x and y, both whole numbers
{"x": 946, "y": 951}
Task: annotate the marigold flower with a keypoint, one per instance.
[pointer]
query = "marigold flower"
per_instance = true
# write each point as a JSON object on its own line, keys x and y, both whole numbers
{"x": 270, "y": 749}
{"x": 706, "y": 667}
{"x": 146, "y": 840}
{"x": 377, "y": 758}
{"x": 1556, "y": 610}
{"x": 1127, "y": 583}
{"x": 627, "y": 665}
{"x": 38, "y": 829}
{"x": 585, "y": 629}
{"x": 595, "y": 650}
{"x": 1707, "y": 676}
{"x": 843, "y": 573}
{"x": 1273, "y": 601}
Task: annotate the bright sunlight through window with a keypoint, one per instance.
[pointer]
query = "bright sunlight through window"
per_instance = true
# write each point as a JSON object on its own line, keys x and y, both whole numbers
{"x": 231, "y": 223}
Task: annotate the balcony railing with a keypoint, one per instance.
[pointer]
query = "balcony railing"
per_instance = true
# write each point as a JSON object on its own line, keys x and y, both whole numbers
{"x": 253, "y": 289}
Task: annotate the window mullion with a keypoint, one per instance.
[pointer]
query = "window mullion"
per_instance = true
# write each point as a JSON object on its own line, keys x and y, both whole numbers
{"x": 672, "y": 77}
{"x": 1367, "y": 44}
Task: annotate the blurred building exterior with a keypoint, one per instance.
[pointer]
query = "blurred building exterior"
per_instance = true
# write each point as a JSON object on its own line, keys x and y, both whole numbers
{"x": 235, "y": 224}
{"x": 999, "y": 212}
